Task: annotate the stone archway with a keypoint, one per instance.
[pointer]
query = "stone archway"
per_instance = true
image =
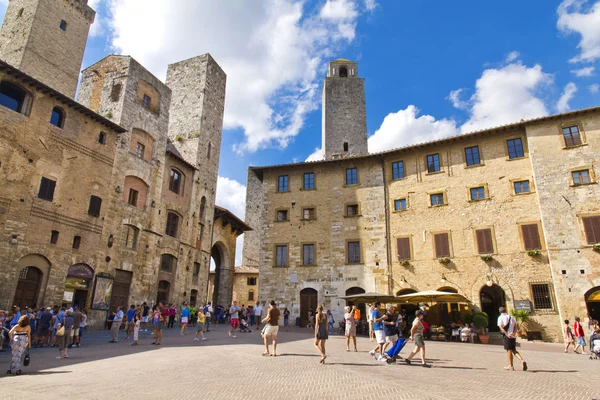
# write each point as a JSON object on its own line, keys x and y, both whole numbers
{"x": 592, "y": 302}
{"x": 223, "y": 273}
{"x": 360, "y": 306}
{"x": 492, "y": 298}
{"x": 33, "y": 271}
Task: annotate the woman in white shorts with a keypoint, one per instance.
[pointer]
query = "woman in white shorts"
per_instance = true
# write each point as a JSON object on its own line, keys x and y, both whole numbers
{"x": 271, "y": 328}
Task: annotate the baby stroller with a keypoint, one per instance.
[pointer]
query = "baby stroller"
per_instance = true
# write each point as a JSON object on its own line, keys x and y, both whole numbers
{"x": 244, "y": 326}
{"x": 394, "y": 353}
{"x": 595, "y": 346}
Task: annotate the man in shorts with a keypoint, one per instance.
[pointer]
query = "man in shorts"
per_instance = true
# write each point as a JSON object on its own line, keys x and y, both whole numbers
{"x": 377, "y": 319}
{"x": 389, "y": 327}
{"x": 145, "y": 311}
{"x": 370, "y": 322}
{"x": 272, "y": 321}
{"x": 235, "y": 321}
{"x": 507, "y": 325}
{"x": 45, "y": 321}
{"x": 77, "y": 316}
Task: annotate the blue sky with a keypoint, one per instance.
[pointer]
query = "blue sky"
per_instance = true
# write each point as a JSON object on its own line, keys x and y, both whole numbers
{"x": 431, "y": 68}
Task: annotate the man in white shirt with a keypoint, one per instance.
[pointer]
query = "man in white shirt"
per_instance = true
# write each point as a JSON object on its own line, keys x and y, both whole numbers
{"x": 257, "y": 314}
{"x": 116, "y": 323}
{"x": 507, "y": 325}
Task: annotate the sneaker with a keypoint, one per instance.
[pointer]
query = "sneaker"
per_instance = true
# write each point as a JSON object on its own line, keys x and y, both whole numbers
{"x": 196, "y": 339}
{"x": 229, "y": 334}
{"x": 524, "y": 366}
{"x": 203, "y": 339}
{"x": 234, "y": 336}
{"x": 509, "y": 368}
{"x": 381, "y": 358}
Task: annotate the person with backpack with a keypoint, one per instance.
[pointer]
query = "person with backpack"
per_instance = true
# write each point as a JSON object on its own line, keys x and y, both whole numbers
{"x": 508, "y": 328}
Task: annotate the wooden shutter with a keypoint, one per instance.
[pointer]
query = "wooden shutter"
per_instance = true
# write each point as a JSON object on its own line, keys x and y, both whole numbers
{"x": 485, "y": 245}
{"x": 591, "y": 225}
{"x": 442, "y": 245}
{"x": 403, "y": 248}
{"x": 95, "y": 205}
{"x": 531, "y": 237}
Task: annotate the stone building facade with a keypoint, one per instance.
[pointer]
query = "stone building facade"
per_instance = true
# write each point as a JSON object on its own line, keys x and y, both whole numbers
{"x": 148, "y": 152}
{"x": 244, "y": 287}
{"x": 504, "y": 216}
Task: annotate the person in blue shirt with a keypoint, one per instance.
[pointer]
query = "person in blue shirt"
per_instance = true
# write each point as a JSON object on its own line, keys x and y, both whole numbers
{"x": 185, "y": 316}
{"x": 377, "y": 319}
{"x": 16, "y": 317}
{"x": 130, "y": 323}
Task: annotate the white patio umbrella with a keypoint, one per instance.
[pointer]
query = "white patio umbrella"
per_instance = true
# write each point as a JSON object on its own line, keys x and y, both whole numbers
{"x": 432, "y": 296}
{"x": 369, "y": 297}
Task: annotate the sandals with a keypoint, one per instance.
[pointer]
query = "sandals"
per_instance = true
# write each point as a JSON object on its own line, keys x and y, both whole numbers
{"x": 407, "y": 361}
{"x": 266, "y": 354}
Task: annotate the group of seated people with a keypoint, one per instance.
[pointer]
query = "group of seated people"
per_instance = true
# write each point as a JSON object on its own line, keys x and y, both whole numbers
{"x": 458, "y": 330}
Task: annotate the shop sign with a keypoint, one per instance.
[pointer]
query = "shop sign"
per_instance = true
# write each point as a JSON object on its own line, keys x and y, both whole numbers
{"x": 81, "y": 271}
{"x": 523, "y": 305}
{"x": 331, "y": 292}
{"x": 77, "y": 283}
{"x": 347, "y": 279}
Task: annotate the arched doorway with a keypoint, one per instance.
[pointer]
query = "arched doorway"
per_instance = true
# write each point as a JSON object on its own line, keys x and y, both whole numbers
{"x": 28, "y": 287}
{"x": 162, "y": 295}
{"x": 592, "y": 301}
{"x": 308, "y": 302}
{"x": 361, "y": 306}
{"x": 492, "y": 298}
{"x": 223, "y": 277}
{"x": 77, "y": 285}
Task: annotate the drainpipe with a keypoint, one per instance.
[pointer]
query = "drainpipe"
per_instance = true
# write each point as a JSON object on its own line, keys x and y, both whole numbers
{"x": 387, "y": 228}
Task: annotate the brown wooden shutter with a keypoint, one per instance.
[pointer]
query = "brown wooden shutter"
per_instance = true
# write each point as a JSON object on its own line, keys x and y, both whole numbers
{"x": 442, "y": 245}
{"x": 591, "y": 225}
{"x": 531, "y": 237}
{"x": 485, "y": 245}
{"x": 403, "y": 248}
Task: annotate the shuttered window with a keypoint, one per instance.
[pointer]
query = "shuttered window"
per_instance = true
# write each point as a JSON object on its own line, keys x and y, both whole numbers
{"x": 485, "y": 244}
{"x": 47, "y": 187}
{"x": 403, "y": 248}
{"x": 95, "y": 205}
{"x": 442, "y": 245}
{"x": 591, "y": 225}
{"x": 571, "y": 136}
{"x": 353, "y": 252}
{"x": 531, "y": 237}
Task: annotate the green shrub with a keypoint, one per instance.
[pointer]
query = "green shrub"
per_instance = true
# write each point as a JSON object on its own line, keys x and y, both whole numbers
{"x": 480, "y": 321}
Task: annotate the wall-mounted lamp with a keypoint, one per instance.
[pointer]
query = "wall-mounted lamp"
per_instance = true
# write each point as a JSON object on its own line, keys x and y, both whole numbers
{"x": 110, "y": 241}
{"x": 444, "y": 280}
{"x": 14, "y": 239}
{"x": 293, "y": 203}
{"x": 153, "y": 204}
{"x": 402, "y": 279}
{"x": 147, "y": 249}
{"x": 488, "y": 280}
{"x": 118, "y": 189}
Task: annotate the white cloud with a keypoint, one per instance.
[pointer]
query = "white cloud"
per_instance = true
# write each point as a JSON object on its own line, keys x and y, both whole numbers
{"x": 574, "y": 17}
{"x": 506, "y": 95}
{"x": 454, "y": 97}
{"x": 405, "y": 127}
{"x": 316, "y": 155}
{"x": 370, "y": 5}
{"x": 232, "y": 195}
{"x": 273, "y": 52}
{"x": 562, "y": 105}
{"x": 594, "y": 88}
{"x": 582, "y": 72}
{"x": 512, "y": 56}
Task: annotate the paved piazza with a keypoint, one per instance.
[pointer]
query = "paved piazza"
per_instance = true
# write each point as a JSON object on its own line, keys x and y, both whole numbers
{"x": 224, "y": 368}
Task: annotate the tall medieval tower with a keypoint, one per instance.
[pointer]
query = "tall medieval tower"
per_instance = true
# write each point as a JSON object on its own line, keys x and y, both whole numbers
{"x": 46, "y": 39}
{"x": 344, "y": 111}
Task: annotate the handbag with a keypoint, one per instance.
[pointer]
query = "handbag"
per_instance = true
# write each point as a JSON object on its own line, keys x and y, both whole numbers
{"x": 61, "y": 331}
{"x": 27, "y": 359}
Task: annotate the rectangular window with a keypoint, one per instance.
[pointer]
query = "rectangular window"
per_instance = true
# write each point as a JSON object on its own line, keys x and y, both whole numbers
{"x": 130, "y": 237}
{"x": 196, "y": 269}
{"x": 433, "y": 163}
{"x": 515, "y": 148}
{"x": 403, "y": 245}
{"x": 472, "y": 156}
{"x": 172, "y": 227}
{"x": 571, "y": 136}
{"x": 352, "y": 210}
{"x": 308, "y": 254}
{"x": 133, "y": 197}
{"x": 477, "y": 193}
{"x": 251, "y": 281}
{"x": 167, "y": 262}
{"x": 281, "y": 255}
{"x": 442, "y": 245}
{"x": 102, "y": 138}
{"x": 542, "y": 296}
{"x": 437, "y": 199}
{"x": 581, "y": 177}
{"x": 139, "y": 150}
{"x": 485, "y": 243}
{"x": 353, "y": 252}
{"x": 54, "y": 237}
{"x": 283, "y": 184}
{"x": 521, "y": 187}
{"x": 398, "y": 170}
{"x": 309, "y": 181}
{"x": 146, "y": 100}
{"x": 175, "y": 182}
{"x": 400, "y": 205}
{"x": 531, "y": 237}
{"x": 251, "y": 296}
{"x": 282, "y": 215}
{"x": 308, "y": 213}
{"x": 345, "y": 146}
{"x": 76, "y": 242}
{"x": 591, "y": 226}
{"x": 95, "y": 205}
{"x": 47, "y": 187}
{"x": 351, "y": 176}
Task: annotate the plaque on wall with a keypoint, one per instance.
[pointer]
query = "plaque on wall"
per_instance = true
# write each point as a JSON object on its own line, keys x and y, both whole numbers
{"x": 523, "y": 305}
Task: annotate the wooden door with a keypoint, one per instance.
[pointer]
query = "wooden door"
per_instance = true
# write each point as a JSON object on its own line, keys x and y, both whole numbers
{"x": 162, "y": 296}
{"x": 308, "y": 302}
{"x": 120, "y": 292}
{"x": 28, "y": 287}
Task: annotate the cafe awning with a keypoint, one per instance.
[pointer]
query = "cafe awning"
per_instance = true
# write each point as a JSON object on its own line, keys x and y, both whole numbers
{"x": 369, "y": 297}
{"x": 432, "y": 296}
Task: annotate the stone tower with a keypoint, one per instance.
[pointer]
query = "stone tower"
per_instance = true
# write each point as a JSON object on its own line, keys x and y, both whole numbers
{"x": 46, "y": 39}
{"x": 344, "y": 111}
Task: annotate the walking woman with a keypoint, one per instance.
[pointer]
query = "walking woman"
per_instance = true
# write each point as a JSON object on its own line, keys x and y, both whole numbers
{"x": 330, "y": 322}
{"x": 416, "y": 335}
{"x": 20, "y": 339}
{"x": 350, "y": 327}
{"x": 321, "y": 332}
{"x": 568, "y": 334}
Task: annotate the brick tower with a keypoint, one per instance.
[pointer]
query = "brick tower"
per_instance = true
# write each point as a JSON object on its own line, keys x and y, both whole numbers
{"x": 46, "y": 39}
{"x": 344, "y": 111}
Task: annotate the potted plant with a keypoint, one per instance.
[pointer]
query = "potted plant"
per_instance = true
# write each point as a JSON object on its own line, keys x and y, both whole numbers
{"x": 481, "y": 321}
{"x": 522, "y": 317}
{"x": 534, "y": 252}
{"x": 596, "y": 246}
{"x": 486, "y": 257}
{"x": 444, "y": 260}
{"x": 404, "y": 262}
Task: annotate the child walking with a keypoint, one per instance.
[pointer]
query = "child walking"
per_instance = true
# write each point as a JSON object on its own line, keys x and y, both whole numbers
{"x": 136, "y": 328}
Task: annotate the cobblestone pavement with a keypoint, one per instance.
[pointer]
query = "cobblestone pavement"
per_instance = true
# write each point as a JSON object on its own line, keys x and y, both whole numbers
{"x": 226, "y": 368}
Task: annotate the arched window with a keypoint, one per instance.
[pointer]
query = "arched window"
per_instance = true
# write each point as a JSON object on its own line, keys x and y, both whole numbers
{"x": 176, "y": 181}
{"x": 172, "y": 224}
{"x": 14, "y": 97}
{"x": 57, "y": 118}
{"x": 202, "y": 207}
{"x": 167, "y": 263}
{"x": 343, "y": 72}
{"x": 130, "y": 236}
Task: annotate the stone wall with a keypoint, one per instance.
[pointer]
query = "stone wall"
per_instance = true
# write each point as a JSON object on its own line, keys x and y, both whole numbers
{"x": 254, "y": 217}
